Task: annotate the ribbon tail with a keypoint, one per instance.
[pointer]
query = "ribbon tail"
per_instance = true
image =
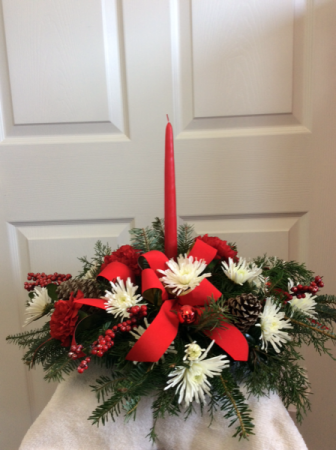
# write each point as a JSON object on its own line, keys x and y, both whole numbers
{"x": 96, "y": 302}
{"x": 231, "y": 340}
{"x": 158, "y": 336}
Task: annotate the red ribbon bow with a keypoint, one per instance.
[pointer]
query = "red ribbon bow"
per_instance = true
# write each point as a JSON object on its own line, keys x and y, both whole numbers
{"x": 162, "y": 331}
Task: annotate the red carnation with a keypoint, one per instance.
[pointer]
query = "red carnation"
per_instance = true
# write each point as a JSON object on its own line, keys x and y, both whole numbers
{"x": 64, "y": 318}
{"x": 127, "y": 255}
{"x": 224, "y": 251}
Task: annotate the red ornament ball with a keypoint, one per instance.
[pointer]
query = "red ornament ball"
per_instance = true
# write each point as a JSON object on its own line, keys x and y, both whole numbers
{"x": 187, "y": 314}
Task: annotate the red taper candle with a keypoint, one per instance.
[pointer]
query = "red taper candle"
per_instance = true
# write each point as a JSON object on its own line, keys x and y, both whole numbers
{"x": 170, "y": 196}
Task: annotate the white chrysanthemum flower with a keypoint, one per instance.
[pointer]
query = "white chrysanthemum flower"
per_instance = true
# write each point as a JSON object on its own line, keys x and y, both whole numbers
{"x": 305, "y": 305}
{"x": 192, "y": 380}
{"x": 37, "y": 305}
{"x": 272, "y": 322}
{"x": 241, "y": 271}
{"x": 139, "y": 331}
{"x": 193, "y": 351}
{"x": 184, "y": 275}
{"x": 290, "y": 285}
{"x": 121, "y": 298}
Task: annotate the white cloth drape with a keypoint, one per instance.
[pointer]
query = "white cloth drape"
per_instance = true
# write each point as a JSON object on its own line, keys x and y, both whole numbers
{"x": 63, "y": 425}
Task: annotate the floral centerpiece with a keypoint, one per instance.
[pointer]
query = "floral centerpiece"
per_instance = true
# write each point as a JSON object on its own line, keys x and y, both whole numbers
{"x": 185, "y": 318}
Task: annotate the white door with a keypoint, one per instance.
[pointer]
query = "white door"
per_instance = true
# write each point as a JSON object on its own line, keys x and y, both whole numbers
{"x": 85, "y": 89}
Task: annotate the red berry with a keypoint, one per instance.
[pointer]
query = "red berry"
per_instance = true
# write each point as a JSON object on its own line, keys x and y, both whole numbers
{"x": 99, "y": 346}
{"x": 144, "y": 308}
{"x": 128, "y": 328}
{"x": 303, "y": 295}
{"x": 107, "y": 339}
{"x": 111, "y": 343}
{"x": 123, "y": 329}
{"x": 135, "y": 309}
{"x": 94, "y": 351}
{"x": 128, "y": 322}
{"x": 79, "y": 348}
{"x": 144, "y": 314}
{"x": 80, "y": 370}
{"x": 107, "y": 332}
{"x": 299, "y": 296}
{"x": 105, "y": 348}
{"x": 73, "y": 348}
{"x": 313, "y": 284}
{"x": 115, "y": 328}
{"x": 119, "y": 325}
{"x": 74, "y": 356}
{"x": 102, "y": 341}
{"x": 300, "y": 287}
{"x": 321, "y": 284}
{"x": 133, "y": 320}
{"x": 88, "y": 359}
{"x": 294, "y": 289}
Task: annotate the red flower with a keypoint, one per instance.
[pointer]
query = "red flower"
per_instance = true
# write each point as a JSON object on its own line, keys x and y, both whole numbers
{"x": 127, "y": 255}
{"x": 64, "y": 318}
{"x": 224, "y": 251}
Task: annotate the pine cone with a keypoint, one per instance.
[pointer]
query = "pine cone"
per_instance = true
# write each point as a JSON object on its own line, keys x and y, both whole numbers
{"x": 89, "y": 288}
{"x": 246, "y": 309}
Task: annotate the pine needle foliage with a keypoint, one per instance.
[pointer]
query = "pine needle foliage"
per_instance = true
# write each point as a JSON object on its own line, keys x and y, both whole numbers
{"x": 227, "y": 398}
{"x": 185, "y": 238}
{"x": 100, "y": 251}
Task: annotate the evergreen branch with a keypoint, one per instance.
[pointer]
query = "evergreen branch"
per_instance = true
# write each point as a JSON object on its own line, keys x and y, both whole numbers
{"x": 159, "y": 228}
{"x": 58, "y": 367}
{"x": 312, "y": 327}
{"x": 214, "y": 315}
{"x": 227, "y": 396}
{"x": 105, "y": 386}
{"x": 185, "y": 238}
{"x": 243, "y": 431}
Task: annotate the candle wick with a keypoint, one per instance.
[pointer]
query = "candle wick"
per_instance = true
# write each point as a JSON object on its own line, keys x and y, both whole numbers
{"x": 167, "y": 117}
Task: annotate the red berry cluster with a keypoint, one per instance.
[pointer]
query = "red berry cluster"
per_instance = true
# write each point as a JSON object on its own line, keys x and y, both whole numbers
{"x": 75, "y": 351}
{"x": 84, "y": 365}
{"x": 41, "y": 279}
{"x": 103, "y": 343}
{"x": 300, "y": 291}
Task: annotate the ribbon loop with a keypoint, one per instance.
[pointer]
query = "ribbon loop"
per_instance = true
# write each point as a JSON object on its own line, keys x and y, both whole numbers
{"x": 116, "y": 270}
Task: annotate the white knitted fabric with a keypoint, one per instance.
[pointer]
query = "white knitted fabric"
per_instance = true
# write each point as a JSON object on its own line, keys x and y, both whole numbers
{"x": 63, "y": 425}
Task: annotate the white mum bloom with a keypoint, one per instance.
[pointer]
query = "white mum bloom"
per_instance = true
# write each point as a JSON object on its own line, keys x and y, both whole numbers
{"x": 272, "y": 322}
{"x": 305, "y": 305}
{"x": 192, "y": 380}
{"x": 36, "y": 306}
{"x": 121, "y": 298}
{"x": 193, "y": 351}
{"x": 184, "y": 275}
{"x": 241, "y": 271}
